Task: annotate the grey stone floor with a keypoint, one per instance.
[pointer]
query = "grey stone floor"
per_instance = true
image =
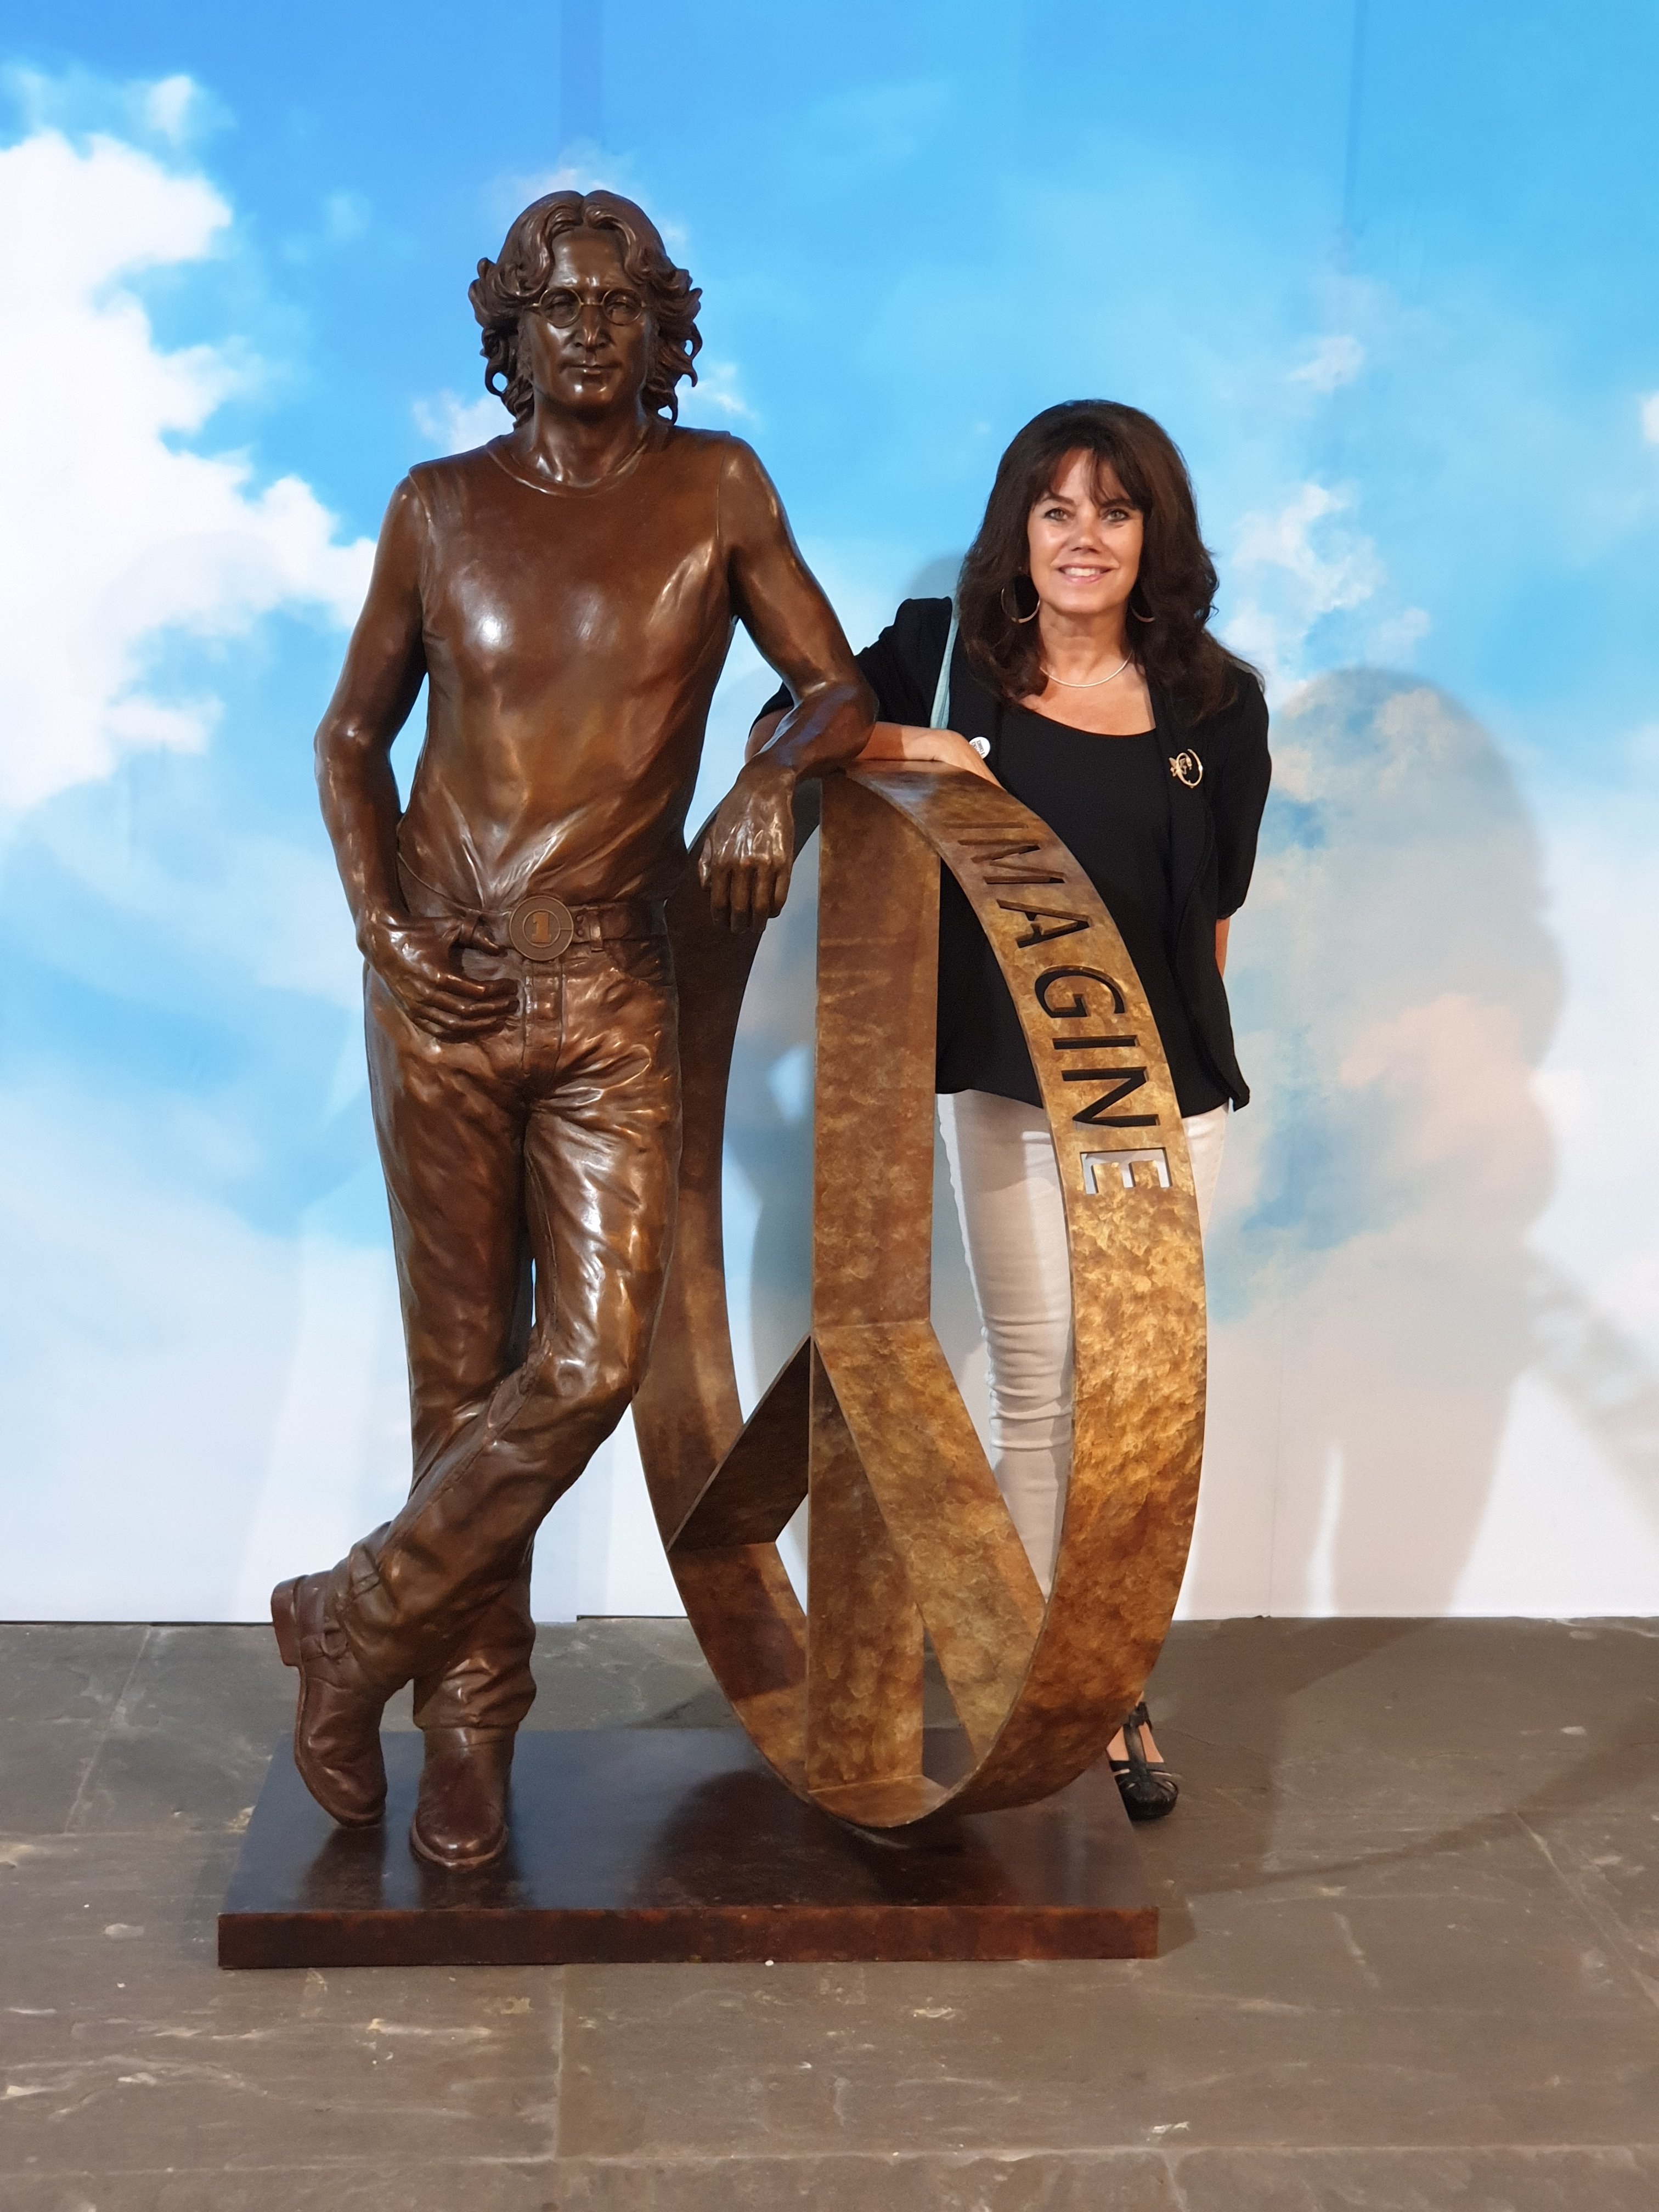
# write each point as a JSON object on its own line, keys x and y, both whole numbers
{"x": 1411, "y": 1962}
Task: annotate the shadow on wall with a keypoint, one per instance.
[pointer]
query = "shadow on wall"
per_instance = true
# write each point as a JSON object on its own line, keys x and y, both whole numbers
{"x": 1395, "y": 988}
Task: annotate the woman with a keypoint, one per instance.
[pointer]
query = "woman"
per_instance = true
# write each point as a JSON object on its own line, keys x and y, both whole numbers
{"x": 1082, "y": 676}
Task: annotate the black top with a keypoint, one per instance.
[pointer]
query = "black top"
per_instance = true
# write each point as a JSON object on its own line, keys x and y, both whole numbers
{"x": 1168, "y": 858}
{"x": 1109, "y": 799}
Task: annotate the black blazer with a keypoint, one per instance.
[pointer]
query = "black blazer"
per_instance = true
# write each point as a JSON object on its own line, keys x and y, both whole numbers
{"x": 1214, "y": 824}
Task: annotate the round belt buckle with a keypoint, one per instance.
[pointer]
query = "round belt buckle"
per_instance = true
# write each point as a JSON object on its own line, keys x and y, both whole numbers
{"x": 541, "y": 928}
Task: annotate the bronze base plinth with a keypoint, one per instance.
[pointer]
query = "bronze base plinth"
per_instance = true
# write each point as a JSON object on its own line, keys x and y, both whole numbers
{"x": 637, "y": 1844}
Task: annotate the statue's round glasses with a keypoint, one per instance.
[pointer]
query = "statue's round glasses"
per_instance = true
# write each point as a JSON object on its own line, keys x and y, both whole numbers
{"x": 564, "y": 309}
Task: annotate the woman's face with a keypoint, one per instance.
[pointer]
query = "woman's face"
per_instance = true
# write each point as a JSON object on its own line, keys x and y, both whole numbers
{"x": 1084, "y": 540}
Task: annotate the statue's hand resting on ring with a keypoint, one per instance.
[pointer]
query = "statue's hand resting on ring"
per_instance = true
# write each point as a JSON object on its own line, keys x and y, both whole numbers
{"x": 748, "y": 853}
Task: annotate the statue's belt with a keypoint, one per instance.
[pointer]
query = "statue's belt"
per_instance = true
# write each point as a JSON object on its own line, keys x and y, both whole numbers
{"x": 542, "y": 927}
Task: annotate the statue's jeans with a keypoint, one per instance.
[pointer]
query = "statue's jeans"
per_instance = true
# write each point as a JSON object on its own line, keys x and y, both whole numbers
{"x": 551, "y": 1144}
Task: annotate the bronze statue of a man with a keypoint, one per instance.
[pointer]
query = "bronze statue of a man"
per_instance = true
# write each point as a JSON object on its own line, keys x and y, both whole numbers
{"x": 568, "y": 592}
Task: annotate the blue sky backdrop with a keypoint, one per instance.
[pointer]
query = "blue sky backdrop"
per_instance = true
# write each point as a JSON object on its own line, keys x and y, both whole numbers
{"x": 1384, "y": 270}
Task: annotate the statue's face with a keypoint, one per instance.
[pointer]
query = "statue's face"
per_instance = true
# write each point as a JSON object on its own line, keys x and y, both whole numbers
{"x": 586, "y": 348}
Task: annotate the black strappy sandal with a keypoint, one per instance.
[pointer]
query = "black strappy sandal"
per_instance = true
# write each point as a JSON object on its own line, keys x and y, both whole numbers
{"x": 1146, "y": 1786}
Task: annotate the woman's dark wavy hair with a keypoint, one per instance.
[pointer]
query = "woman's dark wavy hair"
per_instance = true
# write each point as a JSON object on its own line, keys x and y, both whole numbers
{"x": 1176, "y": 584}
{"x": 523, "y": 278}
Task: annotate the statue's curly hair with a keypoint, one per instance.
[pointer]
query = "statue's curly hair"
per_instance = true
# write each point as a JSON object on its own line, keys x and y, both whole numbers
{"x": 522, "y": 277}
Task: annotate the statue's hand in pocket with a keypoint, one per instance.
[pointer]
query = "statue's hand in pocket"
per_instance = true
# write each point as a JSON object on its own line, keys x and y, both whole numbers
{"x": 420, "y": 964}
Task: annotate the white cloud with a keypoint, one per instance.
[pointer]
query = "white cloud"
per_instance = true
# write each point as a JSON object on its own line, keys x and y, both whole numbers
{"x": 1334, "y": 362}
{"x": 1650, "y": 417}
{"x": 113, "y": 536}
{"x": 1294, "y": 569}
{"x": 1339, "y": 577}
{"x": 168, "y": 105}
{"x": 345, "y": 216}
{"x": 342, "y": 217}
{"x": 451, "y": 424}
{"x": 715, "y": 397}
{"x": 586, "y": 167}
{"x": 217, "y": 913}
{"x": 1397, "y": 639}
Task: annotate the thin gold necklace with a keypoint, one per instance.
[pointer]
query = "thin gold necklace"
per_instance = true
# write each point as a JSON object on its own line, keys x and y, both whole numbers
{"x": 1093, "y": 686}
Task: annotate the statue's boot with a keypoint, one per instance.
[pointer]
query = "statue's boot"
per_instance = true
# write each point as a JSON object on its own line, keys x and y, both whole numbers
{"x": 337, "y": 1728}
{"x": 460, "y": 1818}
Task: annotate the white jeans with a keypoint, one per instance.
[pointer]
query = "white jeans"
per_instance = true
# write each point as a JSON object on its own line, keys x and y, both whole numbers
{"x": 1014, "y": 1229}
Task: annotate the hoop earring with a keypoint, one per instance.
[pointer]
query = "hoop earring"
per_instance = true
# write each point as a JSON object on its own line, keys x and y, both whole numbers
{"x": 1002, "y": 599}
{"x": 1139, "y": 616}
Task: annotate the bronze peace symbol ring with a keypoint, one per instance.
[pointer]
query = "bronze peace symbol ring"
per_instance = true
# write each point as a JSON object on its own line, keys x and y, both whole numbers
{"x": 541, "y": 928}
{"x": 909, "y": 1538}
